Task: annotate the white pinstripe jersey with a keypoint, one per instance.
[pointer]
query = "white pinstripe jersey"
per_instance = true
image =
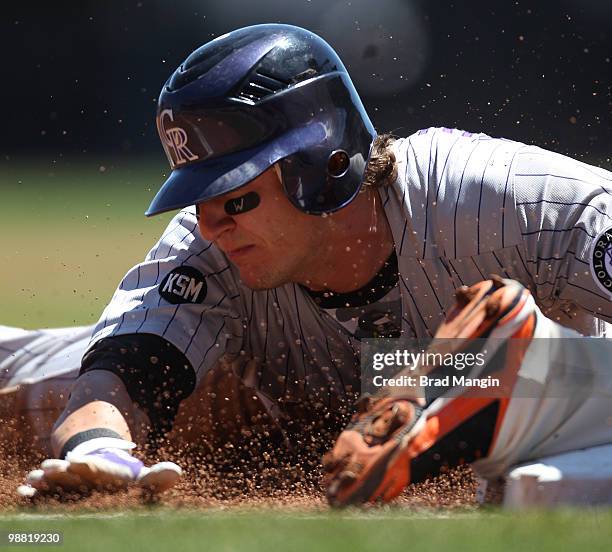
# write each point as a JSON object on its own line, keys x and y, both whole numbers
{"x": 467, "y": 205}
{"x": 463, "y": 206}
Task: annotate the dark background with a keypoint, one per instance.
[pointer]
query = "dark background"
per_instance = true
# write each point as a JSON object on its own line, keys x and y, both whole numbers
{"x": 81, "y": 78}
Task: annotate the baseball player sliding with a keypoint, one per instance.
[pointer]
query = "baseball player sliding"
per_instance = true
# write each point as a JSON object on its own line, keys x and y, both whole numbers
{"x": 302, "y": 232}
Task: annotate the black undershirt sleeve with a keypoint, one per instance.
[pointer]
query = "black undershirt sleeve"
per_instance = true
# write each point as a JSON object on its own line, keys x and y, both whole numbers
{"x": 156, "y": 374}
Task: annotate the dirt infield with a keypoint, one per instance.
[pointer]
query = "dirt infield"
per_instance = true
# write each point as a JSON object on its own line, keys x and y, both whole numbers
{"x": 263, "y": 468}
{"x": 258, "y": 484}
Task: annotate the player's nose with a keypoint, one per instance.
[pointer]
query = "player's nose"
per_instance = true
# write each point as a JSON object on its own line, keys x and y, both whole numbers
{"x": 213, "y": 220}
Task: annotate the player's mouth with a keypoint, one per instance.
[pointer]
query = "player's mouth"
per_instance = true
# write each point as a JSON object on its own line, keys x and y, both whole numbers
{"x": 239, "y": 252}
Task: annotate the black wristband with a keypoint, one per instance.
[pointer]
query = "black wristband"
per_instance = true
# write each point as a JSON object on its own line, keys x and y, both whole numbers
{"x": 156, "y": 374}
{"x": 87, "y": 435}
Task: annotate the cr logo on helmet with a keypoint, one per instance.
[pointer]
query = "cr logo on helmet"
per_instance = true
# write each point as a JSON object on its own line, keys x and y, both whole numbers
{"x": 174, "y": 140}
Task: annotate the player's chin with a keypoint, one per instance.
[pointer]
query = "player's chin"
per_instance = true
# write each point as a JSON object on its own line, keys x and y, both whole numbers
{"x": 256, "y": 278}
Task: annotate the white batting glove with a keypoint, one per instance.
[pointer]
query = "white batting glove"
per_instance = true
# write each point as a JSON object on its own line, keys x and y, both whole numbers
{"x": 100, "y": 463}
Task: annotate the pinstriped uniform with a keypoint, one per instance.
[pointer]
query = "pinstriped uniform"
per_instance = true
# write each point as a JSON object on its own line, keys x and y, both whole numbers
{"x": 467, "y": 205}
{"x": 464, "y": 206}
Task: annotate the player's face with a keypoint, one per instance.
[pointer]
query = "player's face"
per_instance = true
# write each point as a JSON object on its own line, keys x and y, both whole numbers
{"x": 272, "y": 243}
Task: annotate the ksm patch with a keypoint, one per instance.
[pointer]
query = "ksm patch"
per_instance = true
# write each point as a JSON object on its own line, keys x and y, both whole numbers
{"x": 183, "y": 284}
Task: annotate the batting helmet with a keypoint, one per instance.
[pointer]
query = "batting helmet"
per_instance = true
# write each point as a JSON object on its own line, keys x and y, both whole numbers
{"x": 254, "y": 97}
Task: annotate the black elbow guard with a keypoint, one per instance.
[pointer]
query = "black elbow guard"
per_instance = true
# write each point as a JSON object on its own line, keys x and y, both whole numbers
{"x": 156, "y": 374}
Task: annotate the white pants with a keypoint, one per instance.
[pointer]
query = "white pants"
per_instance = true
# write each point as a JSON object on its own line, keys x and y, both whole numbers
{"x": 37, "y": 370}
{"x": 562, "y": 400}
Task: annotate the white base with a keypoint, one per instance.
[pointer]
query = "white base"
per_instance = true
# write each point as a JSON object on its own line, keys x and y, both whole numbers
{"x": 582, "y": 478}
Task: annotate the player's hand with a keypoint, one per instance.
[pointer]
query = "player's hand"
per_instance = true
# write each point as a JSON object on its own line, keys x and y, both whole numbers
{"x": 370, "y": 460}
{"x": 107, "y": 468}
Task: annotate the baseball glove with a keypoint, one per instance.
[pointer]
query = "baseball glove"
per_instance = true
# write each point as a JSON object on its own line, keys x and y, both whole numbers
{"x": 368, "y": 462}
{"x": 371, "y": 460}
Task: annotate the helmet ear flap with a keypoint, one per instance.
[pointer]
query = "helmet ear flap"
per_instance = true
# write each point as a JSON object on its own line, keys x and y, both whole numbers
{"x": 320, "y": 184}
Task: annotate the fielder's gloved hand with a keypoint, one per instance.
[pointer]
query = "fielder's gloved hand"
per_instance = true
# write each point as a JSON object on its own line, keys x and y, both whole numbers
{"x": 103, "y": 464}
{"x": 375, "y": 456}
{"x": 370, "y": 460}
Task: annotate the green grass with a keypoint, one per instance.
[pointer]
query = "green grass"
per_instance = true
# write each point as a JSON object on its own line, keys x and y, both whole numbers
{"x": 378, "y": 531}
{"x": 68, "y": 234}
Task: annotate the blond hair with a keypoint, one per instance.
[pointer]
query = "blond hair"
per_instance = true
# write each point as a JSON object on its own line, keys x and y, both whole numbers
{"x": 382, "y": 167}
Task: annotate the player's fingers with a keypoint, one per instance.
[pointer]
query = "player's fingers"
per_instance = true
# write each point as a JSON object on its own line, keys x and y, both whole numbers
{"x": 51, "y": 465}
{"x": 51, "y": 477}
{"x": 160, "y": 477}
{"x": 56, "y": 474}
{"x": 36, "y": 479}
{"x": 99, "y": 474}
{"x": 26, "y": 491}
